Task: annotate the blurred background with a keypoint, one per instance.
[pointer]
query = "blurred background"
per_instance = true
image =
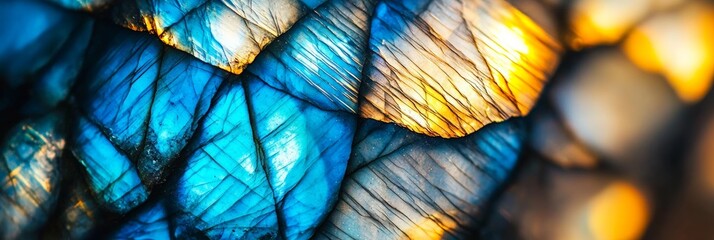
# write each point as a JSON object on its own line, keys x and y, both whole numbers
{"x": 622, "y": 143}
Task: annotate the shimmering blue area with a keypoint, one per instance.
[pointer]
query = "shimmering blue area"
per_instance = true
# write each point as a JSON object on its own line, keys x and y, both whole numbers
{"x": 223, "y": 191}
{"x": 305, "y": 153}
{"x": 30, "y": 175}
{"x": 184, "y": 89}
{"x": 111, "y": 174}
{"x": 119, "y": 85}
{"x": 320, "y": 59}
{"x": 146, "y": 97}
{"x": 264, "y": 157}
{"x": 151, "y": 222}
{"x": 233, "y": 180}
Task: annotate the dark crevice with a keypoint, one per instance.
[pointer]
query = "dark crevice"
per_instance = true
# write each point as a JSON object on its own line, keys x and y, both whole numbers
{"x": 260, "y": 153}
{"x": 147, "y": 122}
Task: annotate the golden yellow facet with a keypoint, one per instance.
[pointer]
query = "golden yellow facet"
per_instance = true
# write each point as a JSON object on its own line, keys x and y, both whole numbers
{"x": 678, "y": 45}
{"x": 486, "y": 66}
{"x": 619, "y": 212}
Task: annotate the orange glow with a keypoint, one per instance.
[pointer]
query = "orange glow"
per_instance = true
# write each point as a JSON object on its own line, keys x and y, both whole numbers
{"x": 432, "y": 227}
{"x": 596, "y": 21}
{"x": 461, "y": 75}
{"x": 620, "y": 211}
{"x": 679, "y": 46}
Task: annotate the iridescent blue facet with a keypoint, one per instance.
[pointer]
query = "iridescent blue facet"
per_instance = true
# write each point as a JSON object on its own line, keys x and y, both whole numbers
{"x": 118, "y": 86}
{"x": 111, "y": 175}
{"x": 182, "y": 95}
{"x": 312, "y": 3}
{"x": 282, "y": 162}
{"x": 320, "y": 59}
{"x": 305, "y": 150}
{"x": 223, "y": 191}
{"x": 146, "y": 98}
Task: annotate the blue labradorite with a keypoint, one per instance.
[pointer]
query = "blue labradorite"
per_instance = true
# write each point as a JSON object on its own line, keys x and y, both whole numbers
{"x": 118, "y": 85}
{"x": 146, "y": 100}
{"x": 240, "y": 120}
{"x": 223, "y": 191}
{"x": 259, "y": 169}
{"x": 182, "y": 94}
{"x": 305, "y": 151}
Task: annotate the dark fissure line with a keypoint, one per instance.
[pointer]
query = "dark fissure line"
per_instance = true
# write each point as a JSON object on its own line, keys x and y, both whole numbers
{"x": 359, "y": 121}
{"x": 147, "y": 123}
{"x": 260, "y": 153}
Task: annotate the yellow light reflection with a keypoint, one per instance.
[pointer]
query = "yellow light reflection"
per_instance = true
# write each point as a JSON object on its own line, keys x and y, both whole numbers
{"x": 619, "y": 212}
{"x": 461, "y": 74}
{"x": 679, "y": 46}
{"x": 432, "y": 227}
{"x": 153, "y": 24}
